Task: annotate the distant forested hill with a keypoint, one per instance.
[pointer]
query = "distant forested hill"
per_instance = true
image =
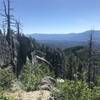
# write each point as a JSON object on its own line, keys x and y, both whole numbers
{"x": 67, "y": 40}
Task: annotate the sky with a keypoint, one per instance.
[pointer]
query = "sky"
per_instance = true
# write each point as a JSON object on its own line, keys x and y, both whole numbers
{"x": 57, "y": 16}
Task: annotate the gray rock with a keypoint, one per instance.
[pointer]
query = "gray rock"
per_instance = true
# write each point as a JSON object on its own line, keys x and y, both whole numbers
{"x": 47, "y": 83}
{"x": 48, "y": 80}
{"x": 46, "y": 87}
{"x": 51, "y": 98}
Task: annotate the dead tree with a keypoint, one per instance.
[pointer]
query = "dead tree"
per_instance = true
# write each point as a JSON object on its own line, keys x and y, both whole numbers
{"x": 90, "y": 59}
{"x": 0, "y": 31}
{"x": 18, "y": 27}
{"x": 8, "y": 19}
{"x": 4, "y": 29}
{"x": 18, "y": 34}
{"x": 9, "y": 22}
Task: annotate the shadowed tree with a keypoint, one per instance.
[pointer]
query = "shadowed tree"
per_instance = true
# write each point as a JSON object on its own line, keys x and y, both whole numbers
{"x": 18, "y": 27}
{"x": 8, "y": 18}
{"x": 0, "y": 31}
{"x": 8, "y": 23}
{"x": 90, "y": 59}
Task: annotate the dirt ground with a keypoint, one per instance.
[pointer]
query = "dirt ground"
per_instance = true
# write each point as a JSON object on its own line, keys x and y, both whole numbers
{"x": 35, "y": 95}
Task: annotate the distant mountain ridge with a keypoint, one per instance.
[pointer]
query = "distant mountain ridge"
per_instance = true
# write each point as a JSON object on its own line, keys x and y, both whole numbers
{"x": 67, "y": 40}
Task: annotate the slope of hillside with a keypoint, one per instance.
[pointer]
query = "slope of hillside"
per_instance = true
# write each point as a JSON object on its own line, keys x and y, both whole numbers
{"x": 67, "y": 40}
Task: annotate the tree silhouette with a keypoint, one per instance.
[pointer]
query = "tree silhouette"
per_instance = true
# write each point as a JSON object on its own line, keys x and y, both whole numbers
{"x": 90, "y": 58}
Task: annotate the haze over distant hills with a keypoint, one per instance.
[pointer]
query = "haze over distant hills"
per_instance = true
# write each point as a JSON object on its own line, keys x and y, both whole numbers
{"x": 67, "y": 40}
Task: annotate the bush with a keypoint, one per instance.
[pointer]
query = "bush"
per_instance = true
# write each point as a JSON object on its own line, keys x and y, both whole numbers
{"x": 3, "y": 97}
{"x": 72, "y": 90}
{"x": 96, "y": 93}
{"x": 6, "y": 79}
{"x": 32, "y": 75}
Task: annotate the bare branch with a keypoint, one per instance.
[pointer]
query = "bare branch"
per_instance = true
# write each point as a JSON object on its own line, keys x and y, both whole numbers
{"x": 5, "y": 8}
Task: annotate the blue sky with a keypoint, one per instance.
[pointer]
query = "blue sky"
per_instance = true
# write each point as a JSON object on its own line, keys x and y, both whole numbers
{"x": 57, "y": 16}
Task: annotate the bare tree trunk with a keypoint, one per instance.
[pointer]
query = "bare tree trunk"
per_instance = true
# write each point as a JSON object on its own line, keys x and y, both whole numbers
{"x": 90, "y": 58}
{"x": 9, "y": 36}
{"x": 18, "y": 27}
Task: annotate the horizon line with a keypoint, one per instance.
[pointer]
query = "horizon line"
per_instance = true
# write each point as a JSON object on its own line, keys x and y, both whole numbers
{"x": 65, "y": 33}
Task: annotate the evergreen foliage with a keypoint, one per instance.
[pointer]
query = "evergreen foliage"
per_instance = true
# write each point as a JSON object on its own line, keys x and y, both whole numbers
{"x": 6, "y": 79}
{"x": 75, "y": 90}
{"x": 32, "y": 75}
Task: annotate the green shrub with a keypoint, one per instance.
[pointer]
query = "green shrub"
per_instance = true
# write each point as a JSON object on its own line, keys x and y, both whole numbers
{"x": 3, "y": 97}
{"x": 72, "y": 90}
{"x": 96, "y": 93}
{"x": 32, "y": 75}
{"x": 39, "y": 98}
{"x": 6, "y": 79}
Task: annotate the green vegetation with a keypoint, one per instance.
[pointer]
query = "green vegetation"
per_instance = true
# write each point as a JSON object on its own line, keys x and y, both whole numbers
{"x": 32, "y": 75}
{"x": 69, "y": 65}
{"x": 78, "y": 66}
{"x": 3, "y": 97}
{"x": 6, "y": 79}
{"x": 76, "y": 90}
{"x": 39, "y": 98}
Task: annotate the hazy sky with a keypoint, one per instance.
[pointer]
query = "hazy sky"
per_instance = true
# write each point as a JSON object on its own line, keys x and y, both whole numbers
{"x": 57, "y": 16}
